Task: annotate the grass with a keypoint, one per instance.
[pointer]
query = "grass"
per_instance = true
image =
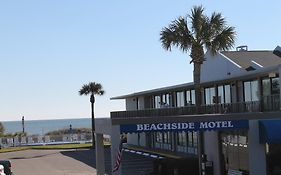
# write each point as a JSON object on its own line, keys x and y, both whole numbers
{"x": 63, "y": 146}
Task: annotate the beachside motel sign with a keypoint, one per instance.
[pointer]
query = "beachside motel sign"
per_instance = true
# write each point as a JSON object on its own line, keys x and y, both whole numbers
{"x": 185, "y": 126}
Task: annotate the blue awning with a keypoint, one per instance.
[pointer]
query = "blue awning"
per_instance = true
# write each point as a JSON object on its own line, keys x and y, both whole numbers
{"x": 270, "y": 131}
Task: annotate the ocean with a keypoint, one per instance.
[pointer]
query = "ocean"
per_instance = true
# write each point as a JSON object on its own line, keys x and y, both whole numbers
{"x": 41, "y": 127}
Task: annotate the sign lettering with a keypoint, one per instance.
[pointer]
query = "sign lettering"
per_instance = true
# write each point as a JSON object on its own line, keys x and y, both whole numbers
{"x": 185, "y": 126}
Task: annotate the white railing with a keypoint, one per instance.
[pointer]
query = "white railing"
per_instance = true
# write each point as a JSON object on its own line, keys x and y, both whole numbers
{"x": 45, "y": 140}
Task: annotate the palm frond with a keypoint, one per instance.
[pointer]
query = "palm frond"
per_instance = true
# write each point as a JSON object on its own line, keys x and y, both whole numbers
{"x": 198, "y": 20}
{"x": 209, "y": 32}
{"x": 92, "y": 88}
{"x": 224, "y": 40}
{"x": 177, "y": 34}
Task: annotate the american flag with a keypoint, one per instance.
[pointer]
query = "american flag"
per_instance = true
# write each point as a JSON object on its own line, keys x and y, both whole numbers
{"x": 118, "y": 157}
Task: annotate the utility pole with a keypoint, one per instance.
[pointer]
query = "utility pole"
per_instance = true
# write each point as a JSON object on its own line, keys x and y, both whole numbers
{"x": 22, "y": 123}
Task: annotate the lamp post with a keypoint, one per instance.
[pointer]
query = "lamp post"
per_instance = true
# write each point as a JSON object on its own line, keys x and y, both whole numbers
{"x": 22, "y": 123}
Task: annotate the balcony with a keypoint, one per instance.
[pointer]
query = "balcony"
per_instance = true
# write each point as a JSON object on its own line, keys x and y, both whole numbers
{"x": 268, "y": 103}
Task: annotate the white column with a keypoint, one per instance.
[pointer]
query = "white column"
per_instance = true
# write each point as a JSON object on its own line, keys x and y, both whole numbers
{"x": 115, "y": 141}
{"x": 211, "y": 148}
{"x": 257, "y": 158}
{"x": 279, "y": 71}
{"x": 100, "y": 164}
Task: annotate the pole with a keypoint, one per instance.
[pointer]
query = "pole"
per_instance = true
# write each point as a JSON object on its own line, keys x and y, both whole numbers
{"x": 22, "y": 123}
{"x": 92, "y": 100}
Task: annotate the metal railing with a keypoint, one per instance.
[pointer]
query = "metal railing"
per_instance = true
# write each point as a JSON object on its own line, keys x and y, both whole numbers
{"x": 45, "y": 139}
{"x": 267, "y": 103}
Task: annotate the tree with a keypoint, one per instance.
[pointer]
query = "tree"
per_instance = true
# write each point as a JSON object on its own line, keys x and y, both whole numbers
{"x": 209, "y": 33}
{"x": 92, "y": 89}
{"x": 2, "y": 129}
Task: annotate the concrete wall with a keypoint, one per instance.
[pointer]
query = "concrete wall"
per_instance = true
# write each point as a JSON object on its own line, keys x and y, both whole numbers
{"x": 135, "y": 103}
{"x": 257, "y": 158}
{"x": 217, "y": 67}
{"x": 131, "y": 104}
{"x": 103, "y": 125}
{"x": 211, "y": 148}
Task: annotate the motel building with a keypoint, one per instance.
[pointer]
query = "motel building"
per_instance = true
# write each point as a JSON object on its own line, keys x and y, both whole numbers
{"x": 239, "y": 121}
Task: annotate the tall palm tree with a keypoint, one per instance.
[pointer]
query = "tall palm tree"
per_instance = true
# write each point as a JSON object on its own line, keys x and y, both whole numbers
{"x": 194, "y": 33}
{"x": 209, "y": 33}
{"x": 2, "y": 129}
{"x": 92, "y": 89}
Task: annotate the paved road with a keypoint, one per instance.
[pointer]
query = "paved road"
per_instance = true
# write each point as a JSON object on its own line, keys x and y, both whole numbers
{"x": 46, "y": 162}
{"x": 71, "y": 162}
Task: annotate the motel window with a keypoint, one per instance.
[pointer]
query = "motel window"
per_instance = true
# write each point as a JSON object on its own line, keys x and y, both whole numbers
{"x": 182, "y": 138}
{"x": 159, "y": 137}
{"x": 235, "y": 150}
{"x": 227, "y": 92}
{"x": 180, "y": 99}
{"x": 275, "y": 85}
{"x": 190, "y": 139}
{"x": 157, "y": 101}
{"x": 251, "y": 91}
{"x": 210, "y": 94}
{"x": 224, "y": 94}
{"x": 270, "y": 93}
{"x": 166, "y": 100}
{"x": 270, "y": 86}
{"x": 190, "y": 97}
{"x": 266, "y": 88}
{"x": 195, "y": 139}
{"x": 166, "y": 137}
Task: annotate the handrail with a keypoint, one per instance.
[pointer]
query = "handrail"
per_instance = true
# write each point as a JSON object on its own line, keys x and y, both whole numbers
{"x": 267, "y": 103}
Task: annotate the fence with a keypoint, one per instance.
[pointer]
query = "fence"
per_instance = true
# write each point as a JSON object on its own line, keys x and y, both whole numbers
{"x": 45, "y": 140}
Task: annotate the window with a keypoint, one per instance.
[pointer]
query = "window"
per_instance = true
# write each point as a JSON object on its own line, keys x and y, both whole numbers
{"x": 224, "y": 94}
{"x": 251, "y": 91}
{"x": 195, "y": 139}
{"x": 190, "y": 97}
{"x": 166, "y": 137}
{"x": 270, "y": 93}
{"x": 227, "y": 94}
{"x": 159, "y": 137}
{"x": 210, "y": 95}
{"x": 157, "y": 101}
{"x": 275, "y": 85}
{"x": 266, "y": 88}
{"x": 182, "y": 138}
{"x": 166, "y": 100}
{"x": 180, "y": 99}
{"x": 235, "y": 150}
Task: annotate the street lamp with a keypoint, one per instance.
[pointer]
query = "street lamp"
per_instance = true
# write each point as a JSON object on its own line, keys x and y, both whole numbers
{"x": 22, "y": 123}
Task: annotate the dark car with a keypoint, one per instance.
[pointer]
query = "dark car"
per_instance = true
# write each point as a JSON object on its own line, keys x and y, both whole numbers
{"x": 7, "y": 166}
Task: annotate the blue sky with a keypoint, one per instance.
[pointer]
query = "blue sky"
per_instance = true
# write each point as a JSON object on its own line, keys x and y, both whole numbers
{"x": 49, "y": 49}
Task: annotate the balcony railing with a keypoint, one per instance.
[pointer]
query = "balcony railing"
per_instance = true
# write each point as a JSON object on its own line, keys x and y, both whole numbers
{"x": 268, "y": 103}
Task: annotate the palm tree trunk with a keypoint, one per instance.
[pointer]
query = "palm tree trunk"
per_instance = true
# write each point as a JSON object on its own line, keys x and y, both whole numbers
{"x": 92, "y": 100}
{"x": 198, "y": 57}
{"x": 196, "y": 77}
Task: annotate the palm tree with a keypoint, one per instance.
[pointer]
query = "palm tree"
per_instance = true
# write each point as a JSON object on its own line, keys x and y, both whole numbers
{"x": 2, "y": 129}
{"x": 209, "y": 33}
{"x": 92, "y": 89}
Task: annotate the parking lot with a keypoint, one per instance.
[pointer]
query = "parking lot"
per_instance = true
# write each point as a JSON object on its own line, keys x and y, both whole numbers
{"x": 72, "y": 162}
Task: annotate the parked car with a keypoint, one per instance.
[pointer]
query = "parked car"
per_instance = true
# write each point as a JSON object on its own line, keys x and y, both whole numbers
{"x": 7, "y": 166}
